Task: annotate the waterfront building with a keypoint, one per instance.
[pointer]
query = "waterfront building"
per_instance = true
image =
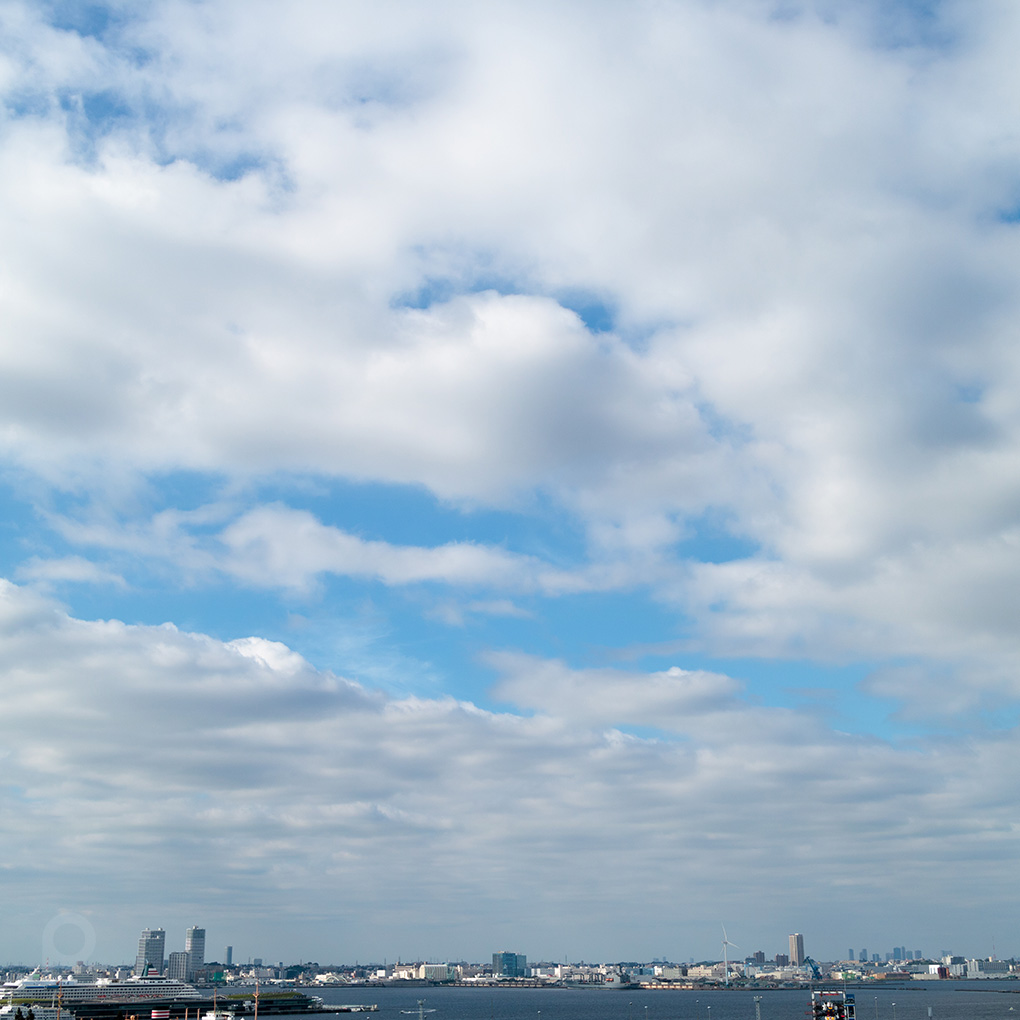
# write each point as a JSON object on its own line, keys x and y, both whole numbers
{"x": 151, "y": 944}
{"x": 177, "y": 967}
{"x": 194, "y": 946}
{"x": 437, "y": 972}
{"x": 987, "y": 969}
{"x": 509, "y": 965}
{"x": 796, "y": 949}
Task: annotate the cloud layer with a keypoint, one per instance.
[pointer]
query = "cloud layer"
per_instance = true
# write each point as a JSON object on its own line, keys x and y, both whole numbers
{"x": 548, "y": 333}
{"x": 235, "y": 780}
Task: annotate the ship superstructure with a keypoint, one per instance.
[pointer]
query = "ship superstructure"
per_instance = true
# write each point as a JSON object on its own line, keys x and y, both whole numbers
{"x": 832, "y": 1006}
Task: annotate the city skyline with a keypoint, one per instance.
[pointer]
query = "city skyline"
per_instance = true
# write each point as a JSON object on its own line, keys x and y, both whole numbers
{"x": 153, "y": 949}
{"x": 509, "y": 474}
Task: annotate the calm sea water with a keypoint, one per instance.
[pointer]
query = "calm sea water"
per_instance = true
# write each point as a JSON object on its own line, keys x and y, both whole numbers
{"x": 949, "y": 1001}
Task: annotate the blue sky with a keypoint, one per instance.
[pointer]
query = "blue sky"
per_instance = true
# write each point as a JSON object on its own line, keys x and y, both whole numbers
{"x": 498, "y": 447}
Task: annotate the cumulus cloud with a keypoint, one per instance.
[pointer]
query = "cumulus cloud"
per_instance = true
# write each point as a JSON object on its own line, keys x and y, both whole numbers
{"x": 808, "y": 256}
{"x": 267, "y": 788}
{"x": 640, "y": 270}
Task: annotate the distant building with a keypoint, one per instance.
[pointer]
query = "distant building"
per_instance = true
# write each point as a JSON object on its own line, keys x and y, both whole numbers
{"x": 151, "y": 944}
{"x": 229, "y": 953}
{"x": 864, "y": 956}
{"x": 509, "y": 965}
{"x": 796, "y": 949}
{"x": 987, "y": 969}
{"x": 177, "y": 966}
{"x": 851, "y": 956}
{"x": 759, "y": 958}
{"x": 436, "y": 972}
{"x": 782, "y": 960}
{"x": 194, "y": 946}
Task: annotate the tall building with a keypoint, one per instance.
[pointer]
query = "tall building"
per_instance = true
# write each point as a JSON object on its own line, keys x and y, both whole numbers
{"x": 229, "y": 961}
{"x": 864, "y": 956}
{"x": 796, "y": 949}
{"x": 510, "y": 965}
{"x": 151, "y": 944}
{"x": 177, "y": 966}
{"x": 194, "y": 946}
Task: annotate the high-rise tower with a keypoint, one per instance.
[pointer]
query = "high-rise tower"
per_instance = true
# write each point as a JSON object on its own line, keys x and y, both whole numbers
{"x": 194, "y": 946}
{"x": 151, "y": 944}
{"x": 796, "y": 949}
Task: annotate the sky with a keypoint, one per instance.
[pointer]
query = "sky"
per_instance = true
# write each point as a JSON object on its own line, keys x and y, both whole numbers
{"x": 532, "y": 476}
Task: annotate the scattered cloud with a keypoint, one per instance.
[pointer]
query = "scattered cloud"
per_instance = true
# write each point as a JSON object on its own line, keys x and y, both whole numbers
{"x": 76, "y": 569}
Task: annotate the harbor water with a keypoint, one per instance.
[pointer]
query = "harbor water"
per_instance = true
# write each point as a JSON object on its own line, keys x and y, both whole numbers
{"x": 948, "y": 1000}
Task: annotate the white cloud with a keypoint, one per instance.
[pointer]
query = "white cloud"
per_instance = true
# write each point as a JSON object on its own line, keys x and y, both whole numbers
{"x": 797, "y": 229}
{"x": 268, "y": 790}
{"x": 275, "y": 546}
{"x": 68, "y": 568}
{"x": 808, "y": 240}
{"x": 280, "y": 546}
{"x": 677, "y": 700}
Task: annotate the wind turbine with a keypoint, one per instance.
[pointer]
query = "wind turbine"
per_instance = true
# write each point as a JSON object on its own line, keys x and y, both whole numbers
{"x": 726, "y": 962}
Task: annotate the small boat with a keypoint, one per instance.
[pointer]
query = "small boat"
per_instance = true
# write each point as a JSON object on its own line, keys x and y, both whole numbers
{"x": 420, "y": 1011}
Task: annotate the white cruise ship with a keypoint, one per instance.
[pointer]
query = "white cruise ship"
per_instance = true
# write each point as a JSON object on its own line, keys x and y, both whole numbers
{"x": 48, "y": 991}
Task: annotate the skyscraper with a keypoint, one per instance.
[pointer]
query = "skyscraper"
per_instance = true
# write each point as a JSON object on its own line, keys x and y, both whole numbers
{"x": 229, "y": 961}
{"x": 151, "y": 944}
{"x": 796, "y": 949}
{"x": 194, "y": 946}
{"x": 177, "y": 966}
